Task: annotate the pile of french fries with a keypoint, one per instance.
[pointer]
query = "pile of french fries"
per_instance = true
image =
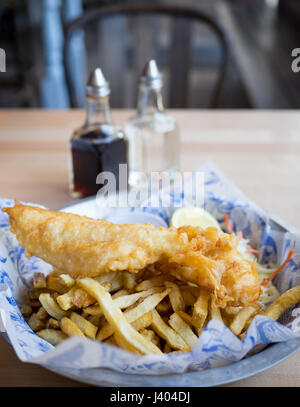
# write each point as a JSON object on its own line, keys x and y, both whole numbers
{"x": 146, "y": 313}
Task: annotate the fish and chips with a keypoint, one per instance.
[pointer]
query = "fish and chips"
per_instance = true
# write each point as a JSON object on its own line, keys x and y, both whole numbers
{"x": 145, "y": 289}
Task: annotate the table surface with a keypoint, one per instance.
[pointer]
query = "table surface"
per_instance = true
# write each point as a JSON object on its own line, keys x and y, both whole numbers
{"x": 258, "y": 150}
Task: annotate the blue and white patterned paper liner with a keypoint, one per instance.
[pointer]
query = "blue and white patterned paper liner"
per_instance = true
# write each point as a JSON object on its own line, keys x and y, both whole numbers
{"x": 216, "y": 346}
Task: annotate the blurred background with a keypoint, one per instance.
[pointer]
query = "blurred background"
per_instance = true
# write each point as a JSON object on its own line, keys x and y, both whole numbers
{"x": 221, "y": 54}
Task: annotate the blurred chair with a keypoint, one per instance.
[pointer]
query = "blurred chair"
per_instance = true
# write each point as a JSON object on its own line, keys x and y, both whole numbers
{"x": 115, "y": 57}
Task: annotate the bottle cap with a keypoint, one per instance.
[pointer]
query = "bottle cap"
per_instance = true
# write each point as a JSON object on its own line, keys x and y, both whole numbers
{"x": 97, "y": 85}
{"x": 151, "y": 76}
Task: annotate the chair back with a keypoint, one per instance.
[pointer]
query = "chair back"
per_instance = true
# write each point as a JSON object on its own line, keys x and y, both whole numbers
{"x": 144, "y": 42}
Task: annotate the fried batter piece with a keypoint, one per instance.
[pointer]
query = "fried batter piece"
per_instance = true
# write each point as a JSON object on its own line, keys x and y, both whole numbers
{"x": 82, "y": 247}
{"x": 238, "y": 279}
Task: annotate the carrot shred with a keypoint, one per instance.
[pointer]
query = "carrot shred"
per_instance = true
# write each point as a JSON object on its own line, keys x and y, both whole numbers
{"x": 228, "y": 224}
{"x": 266, "y": 281}
{"x": 252, "y": 251}
{"x": 240, "y": 235}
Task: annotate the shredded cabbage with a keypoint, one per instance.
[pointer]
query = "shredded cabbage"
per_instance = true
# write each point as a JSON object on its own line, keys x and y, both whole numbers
{"x": 269, "y": 293}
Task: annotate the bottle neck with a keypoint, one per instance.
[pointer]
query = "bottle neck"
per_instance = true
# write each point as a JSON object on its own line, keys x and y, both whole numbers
{"x": 98, "y": 111}
{"x": 149, "y": 101}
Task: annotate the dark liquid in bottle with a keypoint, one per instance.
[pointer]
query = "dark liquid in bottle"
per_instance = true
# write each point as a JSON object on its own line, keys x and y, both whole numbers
{"x": 94, "y": 152}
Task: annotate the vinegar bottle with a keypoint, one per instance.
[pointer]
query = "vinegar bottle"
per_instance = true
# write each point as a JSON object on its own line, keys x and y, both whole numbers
{"x": 98, "y": 145}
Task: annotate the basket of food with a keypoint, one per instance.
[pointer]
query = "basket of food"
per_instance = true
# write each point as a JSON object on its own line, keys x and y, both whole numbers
{"x": 206, "y": 291}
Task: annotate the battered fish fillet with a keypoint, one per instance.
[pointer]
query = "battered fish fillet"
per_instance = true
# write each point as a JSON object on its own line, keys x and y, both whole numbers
{"x": 82, "y": 247}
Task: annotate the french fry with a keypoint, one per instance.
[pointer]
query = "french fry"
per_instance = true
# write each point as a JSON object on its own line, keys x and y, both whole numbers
{"x": 163, "y": 307}
{"x": 111, "y": 341}
{"x": 102, "y": 322}
{"x": 114, "y": 278}
{"x": 94, "y": 310}
{"x": 105, "y": 332}
{"x": 34, "y": 303}
{"x": 183, "y": 329}
{"x": 52, "y": 324}
{"x": 107, "y": 286}
{"x": 42, "y": 314}
{"x": 107, "y": 277}
{"x": 249, "y": 321}
{"x": 117, "y": 284}
{"x": 54, "y": 295}
{"x": 55, "y": 272}
{"x": 231, "y": 311}
{"x": 151, "y": 291}
{"x": 126, "y": 300}
{"x": 187, "y": 318}
{"x": 188, "y": 298}
{"x": 200, "y": 310}
{"x": 147, "y": 305}
{"x": 70, "y": 328}
{"x": 82, "y": 299}
{"x": 214, "y": 311}
{"x": 150, "y": 271}
{"x": 117, "y": 319}
{"x": 35, "y": 323}
{"x": 119, "y": 293}
{"x": 167, "y": 333}
{"x": 51, "y": 306}
{"x": 175, "y": 296}
{"x": 129, "y": 280}
{"x": 26, "y": 310}
{"x": 54, "y": 283}
{"x": 94, "y": 319}
{"x": 241, "y": 318}
{"x": 153, "y": 282}
{"x": 124, "y": 344}
{"x": 142, "y": 322}
{"x": 52, "y": 336}
{"x": 34, "y": 293}
{"x": 167, "y": 348}
{"x": 84, "y": 325}
{"x": 282, "y": 303}
{"x": 67, "y": 280}
{"x": 39, "y": 280}
{"x": 65, "y": 301}
{"x": 150, "y": 335}
{"x": 199, "y": 331}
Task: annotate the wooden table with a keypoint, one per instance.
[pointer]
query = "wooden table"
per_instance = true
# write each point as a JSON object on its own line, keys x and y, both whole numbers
{"x": 258, "y": 150}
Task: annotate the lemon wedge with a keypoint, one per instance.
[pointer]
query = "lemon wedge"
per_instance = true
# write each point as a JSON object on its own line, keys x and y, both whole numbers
{"x": 193, "y": 216}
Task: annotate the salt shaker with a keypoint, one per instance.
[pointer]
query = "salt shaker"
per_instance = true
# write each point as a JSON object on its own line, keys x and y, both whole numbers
{"x": 153, "y": 135}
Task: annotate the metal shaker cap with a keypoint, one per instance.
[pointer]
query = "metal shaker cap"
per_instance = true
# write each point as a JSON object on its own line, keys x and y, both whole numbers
{"x": 97, "y": 85}
{"x": 151, "y": 76}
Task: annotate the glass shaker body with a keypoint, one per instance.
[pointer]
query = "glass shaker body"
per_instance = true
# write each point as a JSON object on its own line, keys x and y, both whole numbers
{"x": 97, "y": 147}
{"x": 153, "y": 140}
